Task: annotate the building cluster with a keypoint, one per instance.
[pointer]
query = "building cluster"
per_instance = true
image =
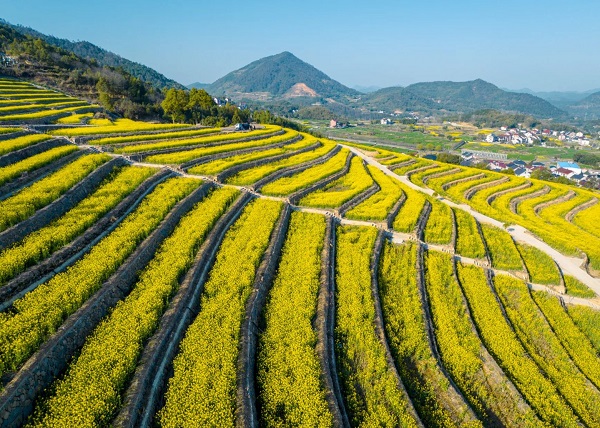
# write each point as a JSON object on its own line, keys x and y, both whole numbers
{"x": 6, "y": 61}
{"x": 338, "y": 124}
{"x": 570, "y": 170}
{"x": 228, "y": 101}
{"x": 536, "y": 136}
{"x": 222, "y": 101}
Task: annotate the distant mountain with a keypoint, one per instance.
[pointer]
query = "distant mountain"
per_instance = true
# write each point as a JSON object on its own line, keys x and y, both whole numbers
{"x": 366, "y": 89}
{"x": 198, "y": 85}
{"x": 281, "y": 76}
{"x": 397, "y": 98}
{"x": 103, "y": 57}
{"x": 588, "y": 108}
{"x": 558, "y": 98}
{"x": 476, "y": 95}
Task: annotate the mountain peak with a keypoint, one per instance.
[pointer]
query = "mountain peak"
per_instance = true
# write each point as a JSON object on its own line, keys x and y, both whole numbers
{"x": 483, "y": 84}
{"x": 479, "y": 94}
{"x": 286, "y": 54}
{"x": 280, "y": 76}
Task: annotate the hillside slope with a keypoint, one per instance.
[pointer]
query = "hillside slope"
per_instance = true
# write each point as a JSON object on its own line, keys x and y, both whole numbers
{"x": 588, "y": 108}
{"x": 103, "y": 57}
{"x": 47, "y": 65}
{"x": 278, "y": 77}
{"x": 379, "y": 267}
{"x": 479, "y": 94}
{"x": 398, "y": 98}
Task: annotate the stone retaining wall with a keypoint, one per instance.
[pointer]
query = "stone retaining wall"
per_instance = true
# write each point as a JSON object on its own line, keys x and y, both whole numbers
{"x": 440, "y": 174}
{"x": 358, "y": 199}
{"x": 296, "y": 196}
{"x": 422, "y": 222}
{"x": 454, "y": 230}
{"x": 380, "y": 326}
{"x": 395, "y": 209}
{"x": 26, "y": 179}
{"x": 416, "y": 170}
{"x": 49, "y": 119}
{"x": 471, "y": 192}
{"x": 229, "y": 172}
{"x": 140, "y": 156}
{"x": 401, "y": 164}
{"x": 289, "y": 171}
{"x": 516, "y": 201}
{"x": 488, "y": 256}
{"x": 571, "y": 214}
{"x": 568, "y": 196}
{"x": 64, "y": 257}
{"x": 145, "y": 393}
{"x": 496, "y": 195}
{"x": 446, "y": 186}
{"x": 324, "y": 325}
{"x": 35, "y": 149}
{"x": 51, "y": 127}
{"x": 489, "y": 277}
{"x": 38, "y": 373}
{"x": 210, "y": 158}
{"x": 83, "y": 139}
{"x": 246, "y": 414}
{"x": 61, "y": 205}
{"x": 4, "y": 137}
{"x": 361, "y": 197}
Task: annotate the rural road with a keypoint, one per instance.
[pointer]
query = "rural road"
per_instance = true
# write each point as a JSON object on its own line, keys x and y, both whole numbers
{"x": 569, "y": 265}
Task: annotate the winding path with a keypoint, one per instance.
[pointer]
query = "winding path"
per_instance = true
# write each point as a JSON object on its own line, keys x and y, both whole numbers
{"x": 569, "y": 265}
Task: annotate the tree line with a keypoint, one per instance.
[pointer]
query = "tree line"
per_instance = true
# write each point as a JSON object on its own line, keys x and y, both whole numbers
{"x": 196, "y": 106}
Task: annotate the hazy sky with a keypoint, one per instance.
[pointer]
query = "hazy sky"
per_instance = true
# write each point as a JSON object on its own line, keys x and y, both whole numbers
{"x": 536, "y": 44}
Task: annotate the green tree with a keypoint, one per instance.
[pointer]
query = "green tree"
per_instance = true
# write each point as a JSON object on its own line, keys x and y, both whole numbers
{"x": 136, "y": 90}
{"x": 199, "y": 105}
{"x": 587, "y": 158}
{"x": 104, "y": 94}
{"x": 542, "y": 174}
{"x": 175, "y": 104}
{"x": 448, "y": 158}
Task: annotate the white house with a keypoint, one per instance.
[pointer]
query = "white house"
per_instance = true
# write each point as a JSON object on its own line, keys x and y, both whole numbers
{"x": 491, "y": 138}
{"x": 571, "y": 166}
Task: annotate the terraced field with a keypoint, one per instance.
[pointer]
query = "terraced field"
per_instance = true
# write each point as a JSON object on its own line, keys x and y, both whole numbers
{"x": 29, "y": 103}
{"x": 175, "y": 275}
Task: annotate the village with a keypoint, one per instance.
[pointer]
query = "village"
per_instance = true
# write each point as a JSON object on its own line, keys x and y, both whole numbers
{"x": 585, "y": 177}
{"x": 542, "y": 137}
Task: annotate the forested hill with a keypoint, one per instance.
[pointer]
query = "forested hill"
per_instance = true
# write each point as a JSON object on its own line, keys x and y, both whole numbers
{"x": 284, "y": 77}
{"x": 479, "y": 94}
{"x": 103, "y": 57}
{"x": 588, "y": 108}
{"x": 398, "y": 98}
{"x": 280, "y": 76}
{"x": 114, "y": 88}
{"x": 198, "y": 85}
